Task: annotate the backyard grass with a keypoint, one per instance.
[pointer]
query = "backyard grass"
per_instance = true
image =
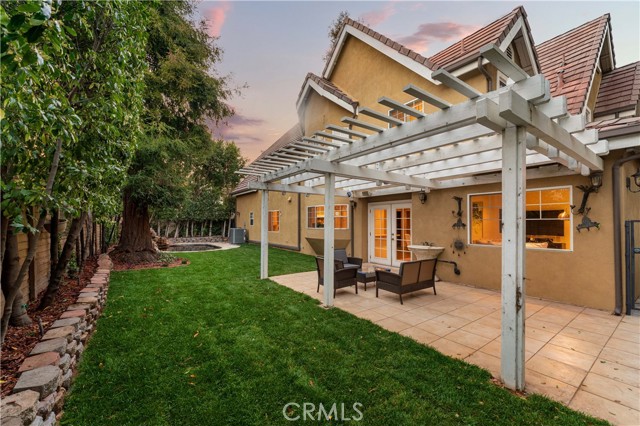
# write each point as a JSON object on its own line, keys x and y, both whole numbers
{"x": 212, "y": 344}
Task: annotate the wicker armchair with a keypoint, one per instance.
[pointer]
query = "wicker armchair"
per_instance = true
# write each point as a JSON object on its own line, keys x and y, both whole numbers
{"x": 342, "y": 277}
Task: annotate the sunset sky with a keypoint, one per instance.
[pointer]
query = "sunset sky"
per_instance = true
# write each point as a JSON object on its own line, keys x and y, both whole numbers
{"x": 270, "y": 46}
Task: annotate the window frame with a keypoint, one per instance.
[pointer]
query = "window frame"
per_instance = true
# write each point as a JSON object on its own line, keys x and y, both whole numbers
{"x": 334, "y": 211}
{"x": 407, "y": 104}
{"x": 554, "y": 250}
{"x": 270, "y": 223}
{"x": 251, "y": 218}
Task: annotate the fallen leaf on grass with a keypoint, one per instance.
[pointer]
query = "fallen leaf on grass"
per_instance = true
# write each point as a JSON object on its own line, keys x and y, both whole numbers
{"x": 196, "y": 335}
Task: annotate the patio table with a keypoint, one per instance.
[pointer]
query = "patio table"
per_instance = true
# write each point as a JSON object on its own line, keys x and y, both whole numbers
{"x": 365, "y": 277}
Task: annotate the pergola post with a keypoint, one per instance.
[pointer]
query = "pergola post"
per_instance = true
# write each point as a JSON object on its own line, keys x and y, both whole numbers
{"x": 513, "y": 255}
{"x": 329, "y": 232}
{"x": 264, "y": 236}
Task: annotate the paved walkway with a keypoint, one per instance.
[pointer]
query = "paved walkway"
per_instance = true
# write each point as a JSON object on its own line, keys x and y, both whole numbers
{"x": 585, "y": 358}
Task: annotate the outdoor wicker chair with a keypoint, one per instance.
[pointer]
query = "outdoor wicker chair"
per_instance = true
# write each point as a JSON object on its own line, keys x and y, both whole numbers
{"x": 348, "y": 262}
{"x": 342, "y": 277}
{"x": 413, "y": 276}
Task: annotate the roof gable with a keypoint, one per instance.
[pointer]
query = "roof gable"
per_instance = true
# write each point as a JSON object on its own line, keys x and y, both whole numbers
{"x": 502, "y": 32}
{"x": 327, "y": 89}
{"x": 569, "y": 61}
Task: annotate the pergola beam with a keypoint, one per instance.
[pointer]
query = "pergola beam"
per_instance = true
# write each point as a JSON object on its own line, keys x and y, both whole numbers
{"x": 334, "y": 137}
{"x": 362, "y": 124}
{"x": 395, "y": 105}
{"x": 321, "y": 142}
{"x": 295, "y": 189}
{"x": 502, "y": 62}
{"x": 379, "y": 116}
{"x": 446, "y": 78}
{"x": 425, "y": 96}
{"x": 346, "y": 131}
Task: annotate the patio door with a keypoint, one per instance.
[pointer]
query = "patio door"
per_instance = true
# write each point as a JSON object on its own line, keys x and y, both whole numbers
{"x": 389, "y": 233}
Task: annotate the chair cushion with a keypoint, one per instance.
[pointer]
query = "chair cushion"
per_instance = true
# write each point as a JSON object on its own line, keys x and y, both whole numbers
{"x": 341, "y": 254}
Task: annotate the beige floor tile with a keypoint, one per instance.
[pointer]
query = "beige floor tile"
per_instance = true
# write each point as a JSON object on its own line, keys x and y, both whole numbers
{"x": 600, "y": 407}
{"x": 587, "y": 336}
{"x": 611, "y": 320}
{"x": 536, "y": 322}
{"x": 629, "y": 319}
{"x": 619, "y": 372}
{"x": 452, "y": 349}
{"x": 598, "y": 313}
{"x": 535, "y": 333}
{"x": 624, "y": 345}
{"x": 413, "y": 317}
{"x": 627, "y": 326}
{"x": 612, "y": 390}
{"x": 437, "y": 328}
{"x": 548, "y": 386}
{"x": 627, "y": 335}
{"x": 624, "y": 358}
{"x": 371, "y": 303}
{"x": 388, "y": 310}
{"x": 419, "y": 335}
{"x": 492, "y": 348}
{"x": 466, "y": 338}
{"x": 568, "y": 356}
{"x": 555, "y": 315}
{"x": 426, "y": 312}
{"x": 472, "y": 312}
{"x": 393, "y": 324}
{"x": 453, "y": 321}
{"x": 492, "y": 321}
{"x": 486, "y": 361}
{"x": 446, "y": 305}
{"x": 371, "y": 315}
{"x": 593, "y": 327}
{"x": 490, "y": 332}
{"x": 576, "y": 344}
{"x": 558, "y": 370}
{"x": 565, "y": 307}
{"x": 351, "y": 307}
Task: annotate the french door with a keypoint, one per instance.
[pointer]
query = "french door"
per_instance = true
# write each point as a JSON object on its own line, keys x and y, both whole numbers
{"x": 389, "y": 233}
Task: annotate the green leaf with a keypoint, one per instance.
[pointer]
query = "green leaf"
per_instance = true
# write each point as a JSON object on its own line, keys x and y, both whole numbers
{"x": 30, "y": 7}
{"x": 34, "y": 33}
{"x": 70, "y": 30}
{"x": 1, "y": 113}
{"x": 29, "y": 58}
{"x": 16, "y": 22}
{"x": 4, "y": 18}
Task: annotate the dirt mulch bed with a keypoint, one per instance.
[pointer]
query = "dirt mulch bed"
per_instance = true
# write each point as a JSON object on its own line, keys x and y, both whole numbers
{"x": 119, "y": 265}
{"x": 21, "y": 340}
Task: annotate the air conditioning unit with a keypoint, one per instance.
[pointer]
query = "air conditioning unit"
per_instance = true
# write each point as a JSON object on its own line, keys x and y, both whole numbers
{"x": 236, "y": 236}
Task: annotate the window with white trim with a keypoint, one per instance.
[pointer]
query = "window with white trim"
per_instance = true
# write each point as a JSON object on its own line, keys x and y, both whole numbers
{"x": 315, "y": 216}
{"x": 416, "y": 104}
{"x": 274, "y": 220}
{"x": 250, "y": 218}
{"x": 548, "y": 219}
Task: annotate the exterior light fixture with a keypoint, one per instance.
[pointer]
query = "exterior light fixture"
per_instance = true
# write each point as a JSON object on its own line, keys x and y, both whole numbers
{"x": 596, "y": 180}
{"x": 636, "y": 180}
{"x": 422, "y": 196}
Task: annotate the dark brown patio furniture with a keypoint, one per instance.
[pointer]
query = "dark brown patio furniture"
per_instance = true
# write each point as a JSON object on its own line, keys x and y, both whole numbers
{"x": 413, "y": 276}
{"x": 342, "y": 277}
{"x": 348, "y": 262}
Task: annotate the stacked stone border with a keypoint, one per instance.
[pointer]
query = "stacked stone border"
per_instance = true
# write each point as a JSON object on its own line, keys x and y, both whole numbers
{"x": 38, "y": 396}
{"x": 212, "y": 239}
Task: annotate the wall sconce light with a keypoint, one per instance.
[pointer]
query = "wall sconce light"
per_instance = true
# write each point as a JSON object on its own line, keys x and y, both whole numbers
{"x": 353, "y": 204}
{"x": 422, "y": 196}
{"x": 636, "y": 180}
{"x": 289, "y": 199}
{"x": 596, "y": 180}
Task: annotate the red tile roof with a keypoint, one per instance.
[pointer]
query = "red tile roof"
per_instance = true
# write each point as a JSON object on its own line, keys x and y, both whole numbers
{"x": 384, "y": 40}
{"x": 568, "y": 61}
{"x": 616, "y": 126}
{"x": 619, "y": 90}
{"x": 329, "y": 87}
{"x": 292, "y": 135}
{"x": 468, "y": 49}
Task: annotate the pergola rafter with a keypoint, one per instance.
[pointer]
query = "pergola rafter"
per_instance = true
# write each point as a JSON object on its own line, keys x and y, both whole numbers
{"x": 509, "y": 135}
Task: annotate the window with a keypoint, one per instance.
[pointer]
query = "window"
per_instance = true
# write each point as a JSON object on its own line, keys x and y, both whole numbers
{"x": 251, "y": 218}
{"x": 274, "y": 220}
{"x": 315, "y": 216}
{"x": 548, "y": 219}
{"x": 417, "y": 104}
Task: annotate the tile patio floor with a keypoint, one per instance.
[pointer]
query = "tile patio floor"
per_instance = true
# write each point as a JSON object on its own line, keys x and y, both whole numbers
{"x": 585, "y": 358}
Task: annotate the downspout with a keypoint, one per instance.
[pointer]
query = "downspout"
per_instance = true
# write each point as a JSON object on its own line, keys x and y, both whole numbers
{"x": 617, "y": 229}
{"x": 486, "y": 74}
{"x": 352, "y": 226}
{"x": 299, "y": 225}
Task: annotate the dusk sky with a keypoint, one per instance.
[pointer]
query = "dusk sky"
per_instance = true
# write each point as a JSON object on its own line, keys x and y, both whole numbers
{"x": 271, "y": 46}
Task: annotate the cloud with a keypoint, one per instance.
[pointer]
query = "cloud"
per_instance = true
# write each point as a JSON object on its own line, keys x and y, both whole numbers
{"x": 376, "y": 17}
{"x": 249, "y": 133}
{"x": 216, "y": 17}
{"x": 443, "y": 31}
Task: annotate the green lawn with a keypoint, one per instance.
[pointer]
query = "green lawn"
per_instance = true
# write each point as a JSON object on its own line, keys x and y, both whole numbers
{"x": 211, "y": 344}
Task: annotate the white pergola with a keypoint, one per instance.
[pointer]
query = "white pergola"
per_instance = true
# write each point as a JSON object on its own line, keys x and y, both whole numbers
{"x": 492, "y": 137}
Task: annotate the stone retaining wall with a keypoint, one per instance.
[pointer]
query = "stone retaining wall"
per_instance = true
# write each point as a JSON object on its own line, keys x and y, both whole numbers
{"x": 212, "y": 239}
{"x": 38, "y": 396}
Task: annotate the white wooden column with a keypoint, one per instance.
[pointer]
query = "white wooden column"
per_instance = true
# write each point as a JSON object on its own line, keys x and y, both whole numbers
{"x": 264, "y": 236}
{"x": 514, "y": 188}
{"x": 329, "y": 232}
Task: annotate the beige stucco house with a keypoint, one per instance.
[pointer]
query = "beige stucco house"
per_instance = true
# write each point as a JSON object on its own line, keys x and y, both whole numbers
{"x": 378, "y": 220}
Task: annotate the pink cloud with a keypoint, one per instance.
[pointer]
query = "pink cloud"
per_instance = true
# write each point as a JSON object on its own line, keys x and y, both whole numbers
{"x": 444, "y": 31}
{"x": 376, "y": 17}
{"x": 216, "y": 17}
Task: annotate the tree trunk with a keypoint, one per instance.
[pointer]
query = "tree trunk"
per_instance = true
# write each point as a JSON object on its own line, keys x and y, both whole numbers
{"x": 53, "y": 241}
{"x": 136, "y": 244}
{"x": 210, "y": 226}
{"x": 10, "y": 271}
{"x": 177, "y": 230}
{"x": 58, "y": 273}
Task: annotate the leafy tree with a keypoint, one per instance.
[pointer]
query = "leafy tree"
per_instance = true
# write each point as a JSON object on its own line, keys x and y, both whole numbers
{"x": 70, "y": 114}
{"x": 334, "y": 32}
{"x": 181, "y": 92}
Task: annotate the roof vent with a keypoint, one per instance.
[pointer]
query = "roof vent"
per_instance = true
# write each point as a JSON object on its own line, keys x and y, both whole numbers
{"x": 366, "y": 193}
{"x": 509, "y": 52}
